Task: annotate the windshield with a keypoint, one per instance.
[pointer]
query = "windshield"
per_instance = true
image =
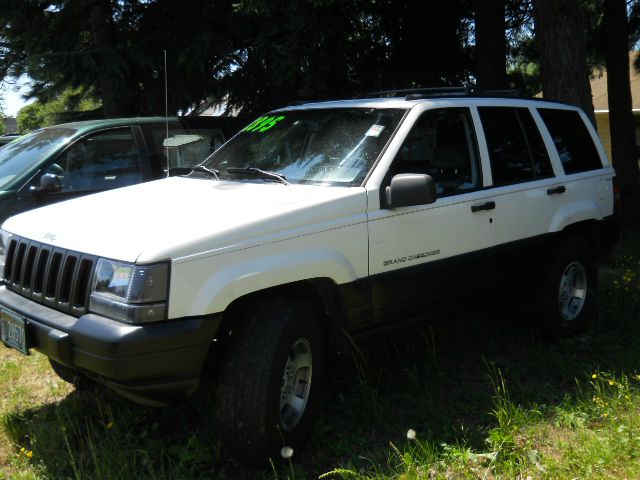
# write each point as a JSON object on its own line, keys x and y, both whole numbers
{"x": 322, "y": 146}
{"x": 24, "y": 153}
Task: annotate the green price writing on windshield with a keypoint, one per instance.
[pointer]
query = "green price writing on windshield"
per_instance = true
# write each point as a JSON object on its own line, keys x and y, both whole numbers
{"x": 263, "y": 124}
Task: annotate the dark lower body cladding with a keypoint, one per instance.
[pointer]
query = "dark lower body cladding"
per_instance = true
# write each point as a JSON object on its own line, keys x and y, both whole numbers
{"x": 154, "y": 364}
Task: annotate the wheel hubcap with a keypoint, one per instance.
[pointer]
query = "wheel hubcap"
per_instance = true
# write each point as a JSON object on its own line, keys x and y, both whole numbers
{"x": 296, "y": 384}
{"x": 572, "y": 293}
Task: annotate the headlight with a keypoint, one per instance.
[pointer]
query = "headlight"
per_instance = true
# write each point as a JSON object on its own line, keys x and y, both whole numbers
{"x": 130, "y": 293}
{"x": 5, "y": 239}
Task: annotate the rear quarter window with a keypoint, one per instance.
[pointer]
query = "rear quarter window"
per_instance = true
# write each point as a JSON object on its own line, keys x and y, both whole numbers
{"x": 573, "y": 142}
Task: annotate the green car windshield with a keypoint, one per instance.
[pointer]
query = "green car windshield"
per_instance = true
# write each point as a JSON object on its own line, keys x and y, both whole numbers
{"x": 316, "y": 146}
{"x": 24, "y": 153}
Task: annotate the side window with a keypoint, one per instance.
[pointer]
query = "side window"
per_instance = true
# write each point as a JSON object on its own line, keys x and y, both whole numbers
{"x": 572, "y": 139}
{"x": 442, "y": 144}
{"x": 107, "y": 159}
{"x": 516, "y": 150}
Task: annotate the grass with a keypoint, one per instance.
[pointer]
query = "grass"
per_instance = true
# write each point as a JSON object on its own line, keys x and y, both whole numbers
{"x": 477, "y": 396}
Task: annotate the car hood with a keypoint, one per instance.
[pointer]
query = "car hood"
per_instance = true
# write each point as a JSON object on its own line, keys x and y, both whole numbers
{"x": 182, "y": 217}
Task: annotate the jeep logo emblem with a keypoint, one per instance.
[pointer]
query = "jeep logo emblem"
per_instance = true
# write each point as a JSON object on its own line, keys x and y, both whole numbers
{"x": 50, "y": 236}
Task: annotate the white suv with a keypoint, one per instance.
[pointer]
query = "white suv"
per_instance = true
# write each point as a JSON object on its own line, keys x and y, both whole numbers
{"x": 316, "y": 223}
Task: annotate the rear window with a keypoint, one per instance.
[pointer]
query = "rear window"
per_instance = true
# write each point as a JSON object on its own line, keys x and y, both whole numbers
{"x": 573, "y": 142}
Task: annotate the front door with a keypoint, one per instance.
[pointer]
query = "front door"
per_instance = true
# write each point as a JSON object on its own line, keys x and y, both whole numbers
{"x": 424, "y": 256}
{"x": 100, "y": 161}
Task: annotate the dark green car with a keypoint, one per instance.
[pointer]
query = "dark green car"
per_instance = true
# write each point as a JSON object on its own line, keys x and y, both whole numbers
{"x": 69, "y": 160}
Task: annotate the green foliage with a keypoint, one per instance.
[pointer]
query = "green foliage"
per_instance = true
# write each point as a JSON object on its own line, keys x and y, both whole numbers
{"x": 30, "y": 117}
{"x": 116, "y": 49}
{"x": 261, "y": 54}
{"x": 38, "y": 115}
{"x": 258, "y": 54}
{"x": 329, "y": 48}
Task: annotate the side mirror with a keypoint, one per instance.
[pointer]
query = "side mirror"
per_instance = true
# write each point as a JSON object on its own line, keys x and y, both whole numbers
{"x": 409, "y": 189}
{"x": 48, "y": 183}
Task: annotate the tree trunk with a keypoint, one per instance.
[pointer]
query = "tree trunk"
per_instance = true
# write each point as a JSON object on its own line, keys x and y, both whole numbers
{"x": 113, "y": 102}
{"x": 491, "y": 44}
{"x": 621, "y": 121}
{"x": 560, "y": 32}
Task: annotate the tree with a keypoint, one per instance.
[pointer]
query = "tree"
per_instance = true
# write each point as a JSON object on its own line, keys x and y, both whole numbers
{"x": 256, "y": 54}
{"x": 68, "y": 106}
{"x": 259, "y": 54}
{"x": 31, "y": 117}
{"x": 560, "y": 33}
{"x": 104, "y": 41}
{"x": 115, "y": 49}
{"x": 491, "y": 44}
{"x": 633, "y": 25}
{"x": 621, "y": 121}
{"x": 319, "y": 49}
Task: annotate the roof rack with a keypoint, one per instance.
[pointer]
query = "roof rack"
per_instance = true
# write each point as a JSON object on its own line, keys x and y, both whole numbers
{"x": 434, "y": 92}
{"x": 295, "y": 103}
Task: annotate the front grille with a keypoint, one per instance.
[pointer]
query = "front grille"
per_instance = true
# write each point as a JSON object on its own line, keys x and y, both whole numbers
{"x": 54, "y": 277}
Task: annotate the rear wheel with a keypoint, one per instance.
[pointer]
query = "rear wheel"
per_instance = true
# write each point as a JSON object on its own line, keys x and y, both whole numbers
{"x": 569, "y": 294}
{"x": 270, "y": 379}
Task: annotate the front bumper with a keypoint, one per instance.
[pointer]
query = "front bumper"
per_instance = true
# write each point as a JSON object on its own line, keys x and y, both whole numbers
{"x": 153, "y": 364}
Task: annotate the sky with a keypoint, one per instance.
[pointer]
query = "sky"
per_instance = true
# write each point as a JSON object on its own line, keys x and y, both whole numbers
{"x": 11, "y": 96}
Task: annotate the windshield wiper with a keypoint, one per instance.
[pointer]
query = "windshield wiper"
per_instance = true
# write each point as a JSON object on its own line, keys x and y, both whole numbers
{"x": 209, "y": 171}
{"x": 278, "y": 177}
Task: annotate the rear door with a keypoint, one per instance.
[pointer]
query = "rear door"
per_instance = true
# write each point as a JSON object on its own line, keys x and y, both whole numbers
{"x": 525, "y": 189}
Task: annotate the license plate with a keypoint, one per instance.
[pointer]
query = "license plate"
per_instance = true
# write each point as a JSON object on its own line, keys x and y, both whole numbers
{"x": 13, "y": 331}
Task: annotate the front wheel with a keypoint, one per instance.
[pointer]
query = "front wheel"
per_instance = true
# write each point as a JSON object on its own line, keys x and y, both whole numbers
{"x": 569, "y": 293}
{"x": 270, "y": 379}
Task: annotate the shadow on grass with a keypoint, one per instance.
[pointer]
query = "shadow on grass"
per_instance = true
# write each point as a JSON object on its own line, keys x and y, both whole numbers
{"x": 435, "y": 380}
{"x": 96, "y": 434}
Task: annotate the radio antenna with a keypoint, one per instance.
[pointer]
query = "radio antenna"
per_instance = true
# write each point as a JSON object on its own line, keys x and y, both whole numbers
{"x": 166, "y": 114}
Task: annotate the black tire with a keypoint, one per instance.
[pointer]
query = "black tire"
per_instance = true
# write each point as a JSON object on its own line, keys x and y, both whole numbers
{"x": 569, "y": 294}
{"x": 252, "y": 382}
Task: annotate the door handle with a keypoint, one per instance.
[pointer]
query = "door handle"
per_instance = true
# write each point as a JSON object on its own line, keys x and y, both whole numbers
{"x": 556, "y": 190}
{"x": 483, "y": 206}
